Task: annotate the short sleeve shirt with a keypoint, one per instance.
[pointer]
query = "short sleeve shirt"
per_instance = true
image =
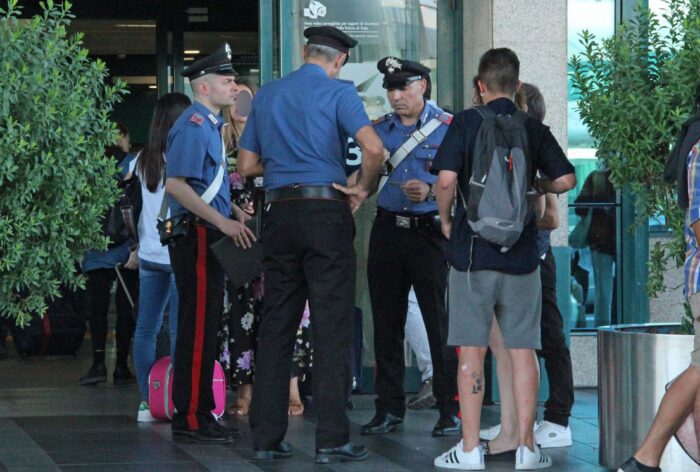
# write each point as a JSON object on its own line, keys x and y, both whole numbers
{"x": 300, "y": 125}
{"x": 194, "y": 151}
{"x": 465, "y": 251}
{"x": 416, "y": 165}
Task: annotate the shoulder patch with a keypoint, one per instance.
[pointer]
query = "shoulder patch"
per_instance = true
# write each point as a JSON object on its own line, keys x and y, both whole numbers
{"x": 197, "y": 119}
{"x": 445, "y": 118}
{"x": 381, "y": 119}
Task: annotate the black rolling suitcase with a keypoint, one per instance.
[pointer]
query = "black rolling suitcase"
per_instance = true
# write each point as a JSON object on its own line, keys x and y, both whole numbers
{"x": 59, "y": 332}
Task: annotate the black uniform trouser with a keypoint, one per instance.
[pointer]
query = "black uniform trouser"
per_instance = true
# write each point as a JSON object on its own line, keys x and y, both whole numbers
{"x": 97, "y": 290}
{"x": 555, "y": 352}
{"x": 398, "y": 259}
{"x": 200, "y": 286}
{"x": 309, "y": 254}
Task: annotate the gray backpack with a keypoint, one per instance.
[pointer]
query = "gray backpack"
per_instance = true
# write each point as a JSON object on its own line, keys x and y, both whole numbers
{"x": 501, "y": 200}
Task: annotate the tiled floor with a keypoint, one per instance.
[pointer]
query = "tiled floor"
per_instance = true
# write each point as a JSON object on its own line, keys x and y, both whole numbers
{"x": 49, "y": 422}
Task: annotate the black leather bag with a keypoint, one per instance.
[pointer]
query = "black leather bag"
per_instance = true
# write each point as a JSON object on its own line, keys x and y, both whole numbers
{"x": 173, "y": 229}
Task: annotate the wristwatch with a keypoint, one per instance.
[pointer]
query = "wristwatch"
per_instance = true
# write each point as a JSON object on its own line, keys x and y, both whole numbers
{"x": 431, "y": 195}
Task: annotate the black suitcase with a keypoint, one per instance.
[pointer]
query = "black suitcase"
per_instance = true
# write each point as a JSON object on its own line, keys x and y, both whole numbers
{"x": 59, "y": 332}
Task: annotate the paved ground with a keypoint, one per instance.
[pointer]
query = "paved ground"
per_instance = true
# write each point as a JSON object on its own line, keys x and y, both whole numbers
{"x": 49, "y": 422}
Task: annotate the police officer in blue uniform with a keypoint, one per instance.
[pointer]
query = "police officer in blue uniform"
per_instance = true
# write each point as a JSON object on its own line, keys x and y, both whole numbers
{"x": 195, "y": 161}
{"x": 406, "y": 248}
{"x": 296, "y": 135}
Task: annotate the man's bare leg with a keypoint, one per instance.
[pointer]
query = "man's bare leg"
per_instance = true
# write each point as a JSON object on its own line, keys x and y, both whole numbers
{"x": 526, "y": 379}
{"x": 470, "y": 383}
{"x": 674, "y": 408}
{"x": 507, "y": 439}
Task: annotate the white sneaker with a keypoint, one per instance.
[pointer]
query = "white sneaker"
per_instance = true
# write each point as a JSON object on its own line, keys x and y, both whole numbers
{"x": 457, "y": 459}
{"x": 490, "y": 433}
{"x": 144, "y": 415}
{"x": 550, "y": 434}
{"x": 525, "y": 459}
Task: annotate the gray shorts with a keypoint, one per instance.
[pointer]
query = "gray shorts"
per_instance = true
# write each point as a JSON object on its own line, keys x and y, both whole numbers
{"x": 516, "y": 300}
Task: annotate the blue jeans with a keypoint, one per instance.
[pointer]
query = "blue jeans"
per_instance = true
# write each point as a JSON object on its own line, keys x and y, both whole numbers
{"x": 157, "y": 286}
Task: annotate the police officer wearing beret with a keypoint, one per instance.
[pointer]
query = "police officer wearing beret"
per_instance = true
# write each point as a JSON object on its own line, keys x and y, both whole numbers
{"x": 296, "y": 135}
{"x": 195, "y": 159}
{"x": 406, "y": 248}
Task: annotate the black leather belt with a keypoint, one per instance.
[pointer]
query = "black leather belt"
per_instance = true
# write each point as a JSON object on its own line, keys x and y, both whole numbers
{"x": 300, "y": 192}
{"x": 428, "y": 221}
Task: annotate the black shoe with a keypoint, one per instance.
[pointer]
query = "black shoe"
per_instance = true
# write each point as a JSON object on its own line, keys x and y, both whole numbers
{"x": 208, "y": 434}
{"x": 347, "y": 453}
{"x": 633, "y": 465}
{"x": 122, "y": 376}
{"x": 447, "y": 426}
{"x": 96, "y": 374}
{"x": 382, "y": 423}
{"x": 282, "y": 451}
{"x": 508, "y": 456}
{"x": 424, "y": 398}
{"x": 230, "y": 430}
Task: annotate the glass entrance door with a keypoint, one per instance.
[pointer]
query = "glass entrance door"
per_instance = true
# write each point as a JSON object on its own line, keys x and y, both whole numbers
{"x": 403, "y": 28}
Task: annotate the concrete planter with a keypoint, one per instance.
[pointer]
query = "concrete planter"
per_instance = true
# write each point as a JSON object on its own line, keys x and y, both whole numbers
{"x": 635, "y": 362}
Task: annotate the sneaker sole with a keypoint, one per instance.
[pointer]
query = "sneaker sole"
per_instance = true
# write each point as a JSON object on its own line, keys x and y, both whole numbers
{"x": 335, "y": 459}
{"x": 537, "y": 466}
{"x": 444, "y": 465}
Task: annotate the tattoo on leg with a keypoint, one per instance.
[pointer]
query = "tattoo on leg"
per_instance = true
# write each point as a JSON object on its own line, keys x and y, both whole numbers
{"x": 478, "y": 378}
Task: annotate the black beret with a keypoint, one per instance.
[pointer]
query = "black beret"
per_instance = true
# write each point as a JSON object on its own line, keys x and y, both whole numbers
{"x": 400, "y": 72}
{"x": 331, "y": 37}
{"x": 218, "y": 62}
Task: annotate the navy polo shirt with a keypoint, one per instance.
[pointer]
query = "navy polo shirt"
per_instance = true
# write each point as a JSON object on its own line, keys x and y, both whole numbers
{"x": 300, "y": 125}
{"x": 194, "y": 152}
{"x": 416, "y": 165}
{"x": 465, "y": 251}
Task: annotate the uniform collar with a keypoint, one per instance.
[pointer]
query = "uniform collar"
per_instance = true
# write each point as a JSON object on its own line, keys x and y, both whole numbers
{"x": 314, "y": 69}
{"x": 426, "y": 115}
{"x": 216, "y": 121}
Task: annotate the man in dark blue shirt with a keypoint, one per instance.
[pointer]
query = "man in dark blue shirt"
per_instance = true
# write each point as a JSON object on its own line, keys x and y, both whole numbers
{"x": 296, "y": 135}
{"x": 406, "y": 248}
{"x": 196, "y": 161}
{"x": 485, "y": 279}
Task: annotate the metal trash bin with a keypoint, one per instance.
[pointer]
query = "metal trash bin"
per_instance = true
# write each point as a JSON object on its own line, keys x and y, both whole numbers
{"x": 635, "y": 362}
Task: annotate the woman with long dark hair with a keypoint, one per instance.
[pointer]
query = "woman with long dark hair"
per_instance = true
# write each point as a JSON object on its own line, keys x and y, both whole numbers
{"x": 156, "y": 280}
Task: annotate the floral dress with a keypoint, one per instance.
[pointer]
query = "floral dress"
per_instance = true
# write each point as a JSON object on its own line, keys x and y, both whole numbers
{"x": 243, "y": 308}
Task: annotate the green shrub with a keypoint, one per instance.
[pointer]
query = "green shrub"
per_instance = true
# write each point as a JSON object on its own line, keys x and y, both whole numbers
{"x": 635, "y": 89}
{"x": 55, "y": 182}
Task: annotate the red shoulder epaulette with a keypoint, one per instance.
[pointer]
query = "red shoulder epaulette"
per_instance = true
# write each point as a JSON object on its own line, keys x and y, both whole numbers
{"x": 381, "y": 119}
{"x": 445, "y": 118}
{"x": 197, "y": 119}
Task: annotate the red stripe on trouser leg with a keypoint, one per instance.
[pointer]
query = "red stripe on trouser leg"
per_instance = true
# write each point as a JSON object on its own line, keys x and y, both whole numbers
{"x": 200, "y": 313}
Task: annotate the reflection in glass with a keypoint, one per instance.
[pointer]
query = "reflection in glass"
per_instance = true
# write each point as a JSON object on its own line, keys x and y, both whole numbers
{"x": 593, "y": 241}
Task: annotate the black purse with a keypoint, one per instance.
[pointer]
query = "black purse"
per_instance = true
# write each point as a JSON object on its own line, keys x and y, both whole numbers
{"x": 173, "y": 229}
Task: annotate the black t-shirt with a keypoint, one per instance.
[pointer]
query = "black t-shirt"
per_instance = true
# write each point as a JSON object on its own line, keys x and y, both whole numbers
{"x": 465, "y": 251}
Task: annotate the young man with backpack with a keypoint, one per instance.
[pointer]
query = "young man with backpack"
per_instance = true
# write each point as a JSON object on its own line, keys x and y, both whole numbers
{"x": 490, "y": 155}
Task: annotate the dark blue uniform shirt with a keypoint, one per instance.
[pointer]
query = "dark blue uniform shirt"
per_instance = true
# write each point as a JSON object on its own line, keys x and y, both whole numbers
{"x": 465, "y": 251}
{"x": 300, "y": 126}
{"x": 416, "y": 165}
{"x": 194, "y": 152}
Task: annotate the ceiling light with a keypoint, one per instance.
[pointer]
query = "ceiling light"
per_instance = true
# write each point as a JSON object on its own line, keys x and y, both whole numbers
{"x": 192, "y": 51}
{"x": 189, "y": 59}
{"x": 153, "y": 87}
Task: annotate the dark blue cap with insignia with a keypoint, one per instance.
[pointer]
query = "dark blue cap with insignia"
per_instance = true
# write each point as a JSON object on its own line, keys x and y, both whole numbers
{"x": 400, "y": 72}
{"x": 331, "y": 37}
{"x": 218, "y": 62}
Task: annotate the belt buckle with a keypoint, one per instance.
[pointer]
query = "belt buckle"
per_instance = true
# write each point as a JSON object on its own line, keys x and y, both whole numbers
{"x": 403, "y": 221}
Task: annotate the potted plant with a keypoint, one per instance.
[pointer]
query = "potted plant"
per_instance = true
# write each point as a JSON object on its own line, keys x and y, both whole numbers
{"x": 55, "y": 182}
{"x": 634, "y": 90}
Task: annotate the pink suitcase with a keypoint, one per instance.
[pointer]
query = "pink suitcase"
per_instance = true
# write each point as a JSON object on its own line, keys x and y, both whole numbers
{"x": 160, "y": 390}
